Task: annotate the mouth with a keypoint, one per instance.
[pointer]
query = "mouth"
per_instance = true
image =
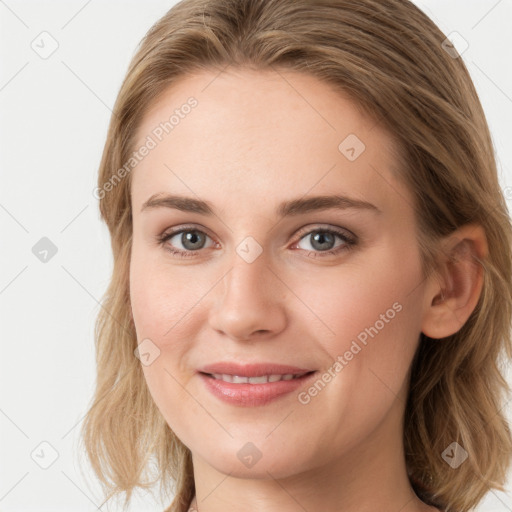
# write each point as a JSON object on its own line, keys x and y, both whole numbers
{"x": 261, "y": 379}
{"x": 253, "y": 385}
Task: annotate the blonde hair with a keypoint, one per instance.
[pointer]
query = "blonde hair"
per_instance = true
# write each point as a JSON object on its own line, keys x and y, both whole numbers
{"x": 387, "y": 56}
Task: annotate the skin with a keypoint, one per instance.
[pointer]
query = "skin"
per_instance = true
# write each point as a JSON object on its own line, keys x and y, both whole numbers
{"x": 256, "y": 139}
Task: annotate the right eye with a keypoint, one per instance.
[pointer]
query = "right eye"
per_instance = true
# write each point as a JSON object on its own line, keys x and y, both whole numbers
{"x": 191, "y": 241}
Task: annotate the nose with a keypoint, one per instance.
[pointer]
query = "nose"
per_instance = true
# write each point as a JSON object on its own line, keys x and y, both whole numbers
{"x": 248, "y": 303}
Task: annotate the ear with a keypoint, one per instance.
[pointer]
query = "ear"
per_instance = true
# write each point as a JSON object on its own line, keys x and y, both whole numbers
{"x": 452, "y": 294}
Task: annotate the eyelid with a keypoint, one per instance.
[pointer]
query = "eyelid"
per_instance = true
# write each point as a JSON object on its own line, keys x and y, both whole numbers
{"x": 326, "y": 227}
{"x": 186, "y": 227}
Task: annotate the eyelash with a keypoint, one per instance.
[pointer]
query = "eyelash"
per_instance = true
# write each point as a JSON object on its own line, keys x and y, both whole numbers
{"x": 349, "y": 241}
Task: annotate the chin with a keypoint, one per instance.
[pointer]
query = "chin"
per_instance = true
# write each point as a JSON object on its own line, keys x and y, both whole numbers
{"x": 253, "y": 460}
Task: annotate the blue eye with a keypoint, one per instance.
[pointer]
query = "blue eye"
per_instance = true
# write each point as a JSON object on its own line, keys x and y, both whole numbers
{"x": 322, "y": 242}
{"x": 191, "y": 240}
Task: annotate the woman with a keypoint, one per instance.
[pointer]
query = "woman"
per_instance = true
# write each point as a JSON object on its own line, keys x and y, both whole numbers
{"x": 311, "y": 296}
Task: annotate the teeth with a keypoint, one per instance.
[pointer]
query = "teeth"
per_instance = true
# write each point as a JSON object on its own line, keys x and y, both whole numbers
{"x": 237, "y": 379}
{"x": 255, "y": 380}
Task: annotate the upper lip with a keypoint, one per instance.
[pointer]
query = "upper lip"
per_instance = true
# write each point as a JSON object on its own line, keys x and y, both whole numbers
{"x": 252, "y": 369}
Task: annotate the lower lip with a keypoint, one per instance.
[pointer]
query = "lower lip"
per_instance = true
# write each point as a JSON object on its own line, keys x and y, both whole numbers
{"x": 252, "y": 395}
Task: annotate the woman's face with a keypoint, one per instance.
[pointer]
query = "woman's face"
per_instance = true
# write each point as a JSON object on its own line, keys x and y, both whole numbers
{"x": 265, "y": 275}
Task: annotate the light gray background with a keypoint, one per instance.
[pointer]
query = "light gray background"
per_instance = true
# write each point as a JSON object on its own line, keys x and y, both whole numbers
{"x": 53, "y": 122}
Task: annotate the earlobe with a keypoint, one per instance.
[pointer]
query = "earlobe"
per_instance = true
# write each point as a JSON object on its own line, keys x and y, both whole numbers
{"x": 452, "y": 295}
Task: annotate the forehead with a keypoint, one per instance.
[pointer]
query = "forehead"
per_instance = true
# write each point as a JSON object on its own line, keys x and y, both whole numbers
{"x": 262, "y": 133}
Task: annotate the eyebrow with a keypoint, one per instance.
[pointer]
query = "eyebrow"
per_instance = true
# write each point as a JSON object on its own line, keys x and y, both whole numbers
{"x": 286, "y": 208}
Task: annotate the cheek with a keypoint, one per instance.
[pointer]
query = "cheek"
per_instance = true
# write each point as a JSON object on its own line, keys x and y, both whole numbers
{"x": 375, "y": 322}
{"x": 370, "y": 314}
{"x": 162, "y": 297}
{"x": 161, "y": 311}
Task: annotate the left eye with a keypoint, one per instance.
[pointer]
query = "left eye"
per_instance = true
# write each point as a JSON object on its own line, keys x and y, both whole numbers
{"x": 324, "y": 240}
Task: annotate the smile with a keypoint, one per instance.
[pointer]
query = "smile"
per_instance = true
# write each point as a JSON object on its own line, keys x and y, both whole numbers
{"x": 262, "y": 379}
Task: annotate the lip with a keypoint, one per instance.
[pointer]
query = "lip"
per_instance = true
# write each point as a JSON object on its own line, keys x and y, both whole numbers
{"x": 252, "y": 395}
